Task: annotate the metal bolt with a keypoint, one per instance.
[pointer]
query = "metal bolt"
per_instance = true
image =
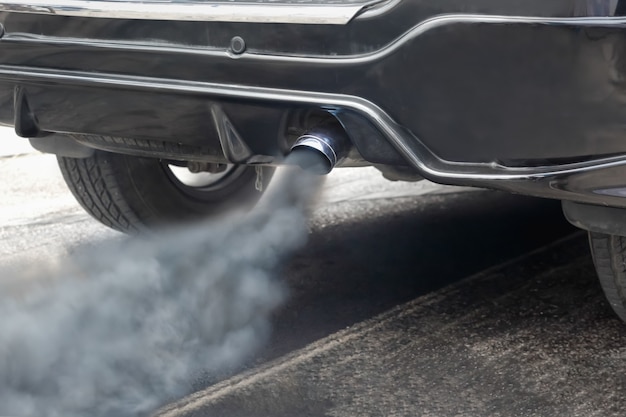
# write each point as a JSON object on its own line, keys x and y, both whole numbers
{"x": 237, "y": 45}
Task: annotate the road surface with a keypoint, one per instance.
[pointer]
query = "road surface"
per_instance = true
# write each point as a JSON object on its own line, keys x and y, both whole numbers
{"x": 408, "y": 300}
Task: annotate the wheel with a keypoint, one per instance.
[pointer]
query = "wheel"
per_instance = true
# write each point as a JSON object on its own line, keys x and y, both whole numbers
{"x": 133, "y": 194}
{"x": 609, "y": 257}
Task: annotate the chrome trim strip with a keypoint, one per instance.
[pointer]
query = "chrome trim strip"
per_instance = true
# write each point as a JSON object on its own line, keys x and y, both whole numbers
{"x": 408, "y": 145}
{"x": 303, "y": 12}
{"x": 378, "y": 9}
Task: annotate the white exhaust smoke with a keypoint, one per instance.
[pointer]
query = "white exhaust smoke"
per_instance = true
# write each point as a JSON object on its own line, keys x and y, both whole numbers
{"x": 124, "y": 328}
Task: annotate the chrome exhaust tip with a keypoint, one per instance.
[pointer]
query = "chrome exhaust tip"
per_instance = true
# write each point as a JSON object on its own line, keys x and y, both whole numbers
{"x": 321, "y": 148}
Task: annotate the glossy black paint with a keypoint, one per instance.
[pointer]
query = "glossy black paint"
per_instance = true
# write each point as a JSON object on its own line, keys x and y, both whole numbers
{"x": 360, "y": 36}
{"x": 517, "y": 92}
{"x": 496, "y": 92}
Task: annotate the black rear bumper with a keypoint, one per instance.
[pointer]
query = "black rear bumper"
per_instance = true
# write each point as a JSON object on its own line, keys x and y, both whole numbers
{"x": 529, "y": 98}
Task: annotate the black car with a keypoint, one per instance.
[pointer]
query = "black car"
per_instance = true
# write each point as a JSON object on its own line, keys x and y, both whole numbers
{"x": 524, "y": 96}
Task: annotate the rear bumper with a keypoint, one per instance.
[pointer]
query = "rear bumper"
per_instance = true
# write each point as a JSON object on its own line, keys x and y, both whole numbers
{"x": 532, "y": 104}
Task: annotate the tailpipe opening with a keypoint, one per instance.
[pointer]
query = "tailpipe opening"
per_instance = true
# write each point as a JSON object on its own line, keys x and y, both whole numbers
{"x": 320, "y": 148}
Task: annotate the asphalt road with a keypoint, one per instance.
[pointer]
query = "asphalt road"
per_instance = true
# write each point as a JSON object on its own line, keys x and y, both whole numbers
{"x": 408, "y": 300}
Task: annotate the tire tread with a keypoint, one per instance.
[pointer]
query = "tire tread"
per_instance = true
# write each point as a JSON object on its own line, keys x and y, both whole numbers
{"x": 609, "y": 257}
{"x": 98, "y": 192}
{"x": 135, "y": 194}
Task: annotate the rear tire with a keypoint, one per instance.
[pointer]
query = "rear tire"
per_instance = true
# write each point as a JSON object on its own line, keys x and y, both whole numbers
{"x": 609, "y": 257}
{"x": 133, "y": 194}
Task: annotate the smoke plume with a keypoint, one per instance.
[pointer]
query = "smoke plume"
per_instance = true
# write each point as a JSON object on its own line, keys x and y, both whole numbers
{"x": 122, "y": 329}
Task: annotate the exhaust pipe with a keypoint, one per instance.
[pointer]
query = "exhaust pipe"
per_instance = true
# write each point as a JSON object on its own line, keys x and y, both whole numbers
{"x": 321, "y": 148}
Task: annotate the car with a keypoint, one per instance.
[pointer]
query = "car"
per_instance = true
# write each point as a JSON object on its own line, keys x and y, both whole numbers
{"x": 163, "y": 111}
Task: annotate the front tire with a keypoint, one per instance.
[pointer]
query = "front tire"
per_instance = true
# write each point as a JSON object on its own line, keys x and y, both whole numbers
{"x": 609, "y": 257}
{"x": 133, "y": 194}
